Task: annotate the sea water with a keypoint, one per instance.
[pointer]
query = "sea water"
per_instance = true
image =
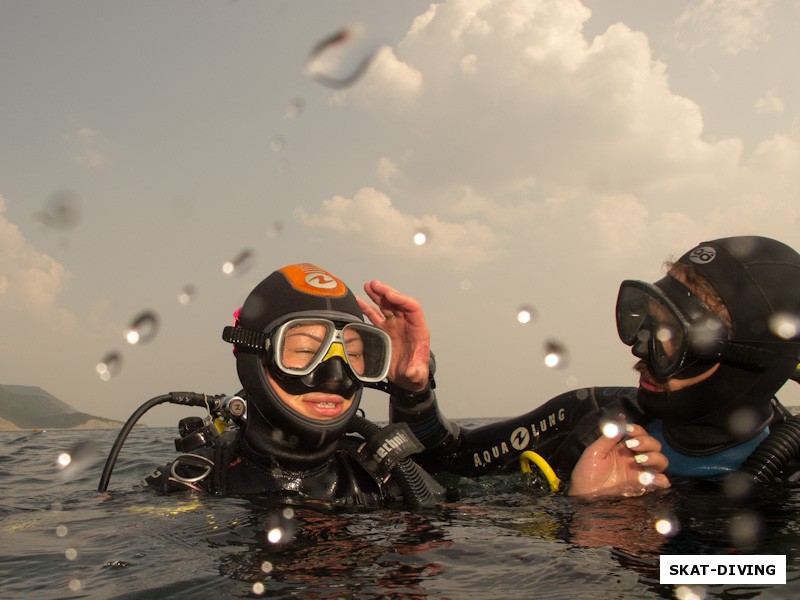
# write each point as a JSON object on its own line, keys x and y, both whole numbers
{"x": 505, "y": 538}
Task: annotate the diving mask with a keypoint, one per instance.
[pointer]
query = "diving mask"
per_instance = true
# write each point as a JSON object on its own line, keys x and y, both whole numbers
{"x": 669, "y": 327}
{"x": 299, "y": 346}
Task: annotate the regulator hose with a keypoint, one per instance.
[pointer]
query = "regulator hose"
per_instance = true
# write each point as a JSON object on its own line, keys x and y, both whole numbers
{"x": 774, "y": 453}
{"x": 184, "y": 398}
{"x": 412, "y": 480}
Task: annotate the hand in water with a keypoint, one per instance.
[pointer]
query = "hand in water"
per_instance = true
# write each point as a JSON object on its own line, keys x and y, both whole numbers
{"x": 613, "y": 467}
{"x": 401, "y": 317}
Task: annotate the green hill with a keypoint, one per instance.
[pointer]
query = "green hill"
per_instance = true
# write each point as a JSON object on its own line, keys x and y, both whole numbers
{"x": 31, "y": 407}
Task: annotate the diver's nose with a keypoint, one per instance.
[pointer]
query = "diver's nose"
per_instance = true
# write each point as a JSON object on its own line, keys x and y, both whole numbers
{"x": 331, "y": 375}
{"x": 641, "y": 345}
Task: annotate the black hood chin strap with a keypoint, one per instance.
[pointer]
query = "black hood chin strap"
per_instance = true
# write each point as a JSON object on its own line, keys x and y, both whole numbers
{"x": 729, "y": 408}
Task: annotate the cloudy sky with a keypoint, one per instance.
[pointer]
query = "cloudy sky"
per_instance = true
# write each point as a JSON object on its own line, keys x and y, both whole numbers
{"x": 549, "y": 149}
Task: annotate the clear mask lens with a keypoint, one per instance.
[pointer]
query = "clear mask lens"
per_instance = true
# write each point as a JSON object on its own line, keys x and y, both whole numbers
{"x": 301, "y": 345}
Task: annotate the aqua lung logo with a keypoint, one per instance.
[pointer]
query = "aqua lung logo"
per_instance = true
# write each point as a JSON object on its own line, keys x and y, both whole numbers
{"x": 703, "y": 255}
{"x": 321, "y": 280}
{"x": 521, "y": 438}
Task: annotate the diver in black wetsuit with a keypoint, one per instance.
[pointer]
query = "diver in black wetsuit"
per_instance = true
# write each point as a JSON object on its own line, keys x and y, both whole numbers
{"x": 564, "y": 431}
{"x": 716, "y": 338}
{"x": 304, "y": 355}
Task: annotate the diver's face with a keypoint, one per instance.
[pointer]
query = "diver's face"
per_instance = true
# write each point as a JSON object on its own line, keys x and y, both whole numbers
{"x": 314, "y": 405}
{"x": 650, "y": 383}
{"x": 301, "y": 343}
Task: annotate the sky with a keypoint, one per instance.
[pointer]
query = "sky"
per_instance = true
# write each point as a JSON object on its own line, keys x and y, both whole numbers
{"x": 547, "y": 149}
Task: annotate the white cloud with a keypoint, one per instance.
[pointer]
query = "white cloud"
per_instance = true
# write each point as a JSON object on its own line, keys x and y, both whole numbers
{"x": 370, "y": 220}
{"x": 733, "y": 25}
{"x": 516, "y": 121}
{"x": 30, "y": 282}
{"x": 769, "y": 103}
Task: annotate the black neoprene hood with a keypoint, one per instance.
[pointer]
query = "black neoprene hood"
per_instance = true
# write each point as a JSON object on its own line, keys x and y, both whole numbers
{"x": 758, "y": 278}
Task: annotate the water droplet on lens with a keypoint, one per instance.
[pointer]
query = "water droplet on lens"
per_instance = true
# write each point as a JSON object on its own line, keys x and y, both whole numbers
{"x": 187, "y": 294}
{"x": 258, "y": 588}
{"x": 745, "y": 530}
{"x": 142, "y": 329}
{"x": 646, "y": 478}
{"x": 526, "y": 314}
{"x": 742, "y": 422}
{"x": 785, "y": 325}
{"x": 275, "y": 229}
{"x": 341, "y": 59}
{"x": 295, "y": 109}
{"x": 422, "y": 237}
{"x": 466, "y": 284}
{"x": 275, "y": 535}
{"x": 61, "y": 210}
{"x": 277, "y": 143}
{"x": 61, "y": 531}
{"x": 266, "y": 566}
{"x": 71, "y": 554}
{"x": 77, "y": 459}
{"x": 555, "y": 355}
{"x": 109, "y": 366}
{"x": 610, "y": 429}
{"x": 240, "y": 264}
{"x": 690, "y": 592}
{"x": 666, "y": 526}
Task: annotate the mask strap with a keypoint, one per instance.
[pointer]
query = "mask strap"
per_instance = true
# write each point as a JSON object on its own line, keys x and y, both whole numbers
{"x": 245, "y": 338}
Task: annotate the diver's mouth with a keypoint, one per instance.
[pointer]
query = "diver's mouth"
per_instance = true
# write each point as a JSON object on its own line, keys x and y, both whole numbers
{"x": 646, "y": 380}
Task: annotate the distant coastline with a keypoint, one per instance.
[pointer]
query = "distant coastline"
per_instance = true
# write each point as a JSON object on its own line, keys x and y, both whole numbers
{"x": 30, "y": 408}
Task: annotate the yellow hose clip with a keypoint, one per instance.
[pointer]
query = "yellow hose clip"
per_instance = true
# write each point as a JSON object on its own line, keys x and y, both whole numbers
{"x": 528, "y": 457}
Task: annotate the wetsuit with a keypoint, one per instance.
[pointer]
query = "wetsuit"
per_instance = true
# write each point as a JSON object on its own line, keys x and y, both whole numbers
{"x": 369, "y": 469}
{"x": 559, "y": 431}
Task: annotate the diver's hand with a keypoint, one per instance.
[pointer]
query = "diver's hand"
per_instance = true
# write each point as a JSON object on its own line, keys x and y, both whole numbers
{"x": 402, "y": 318}
{"x": 612, "y": 467}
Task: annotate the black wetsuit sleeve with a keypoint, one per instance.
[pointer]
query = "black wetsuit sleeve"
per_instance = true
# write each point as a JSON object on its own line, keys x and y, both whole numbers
{"x": 558, "y": 430}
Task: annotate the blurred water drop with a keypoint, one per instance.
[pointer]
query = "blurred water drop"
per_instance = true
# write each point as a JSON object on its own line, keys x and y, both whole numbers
{"x": 258, "y": 588}
{"x": 742, "y": 422}
{"x": 422, "y": 237}
{"x": 646, "y": 478}
{"x": 109, "y": 366}
{"x": 187, "y": 294}
{"x": 690, "y": 592}
{"x": 555, "y": 354}
{"x": 666, "y": 526}
{"x": 296, "y": 107}
{"x": 71, "y": 554}
{"x": 61, "y": 210}
{"x": 466, "y": 284}
{"x": 277, "y": 143}
{"x": 75, "y": 585}
{"x": 242, "y": 263}
{"x": 341, "y": 59}
{"x": 275, "y": 229}
{"x": 785, "y": 325}
{"x": 77, "y": 459}
{"x": 61, "y": 531}
{"x": 526, "y": 314}
{"x": 142, "y": 329}
{"x": 610, "y": 429}
{"x": 745, "y": 530}
{"x": 266, "y": 566}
